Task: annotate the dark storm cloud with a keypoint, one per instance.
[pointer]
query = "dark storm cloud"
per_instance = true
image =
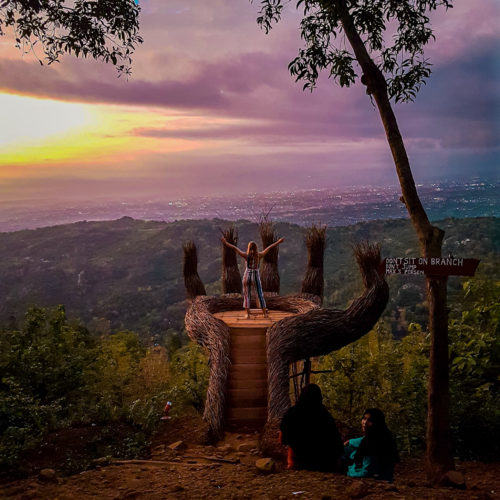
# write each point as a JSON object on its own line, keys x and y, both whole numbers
{"x": 461, "y": 103}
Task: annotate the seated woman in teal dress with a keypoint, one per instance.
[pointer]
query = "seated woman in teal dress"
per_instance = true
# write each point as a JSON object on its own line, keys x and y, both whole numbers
{"x": 374, "y": 454}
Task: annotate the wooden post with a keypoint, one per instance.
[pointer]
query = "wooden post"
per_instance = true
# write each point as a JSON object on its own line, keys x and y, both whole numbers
{"x": 307, "y": 372}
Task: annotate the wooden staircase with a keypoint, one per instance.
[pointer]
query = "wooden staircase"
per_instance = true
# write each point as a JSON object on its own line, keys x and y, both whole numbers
{"x": 246, "y": 397}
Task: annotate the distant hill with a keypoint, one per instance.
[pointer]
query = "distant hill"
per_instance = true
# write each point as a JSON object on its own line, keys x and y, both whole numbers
{"x": 127, "y": 274}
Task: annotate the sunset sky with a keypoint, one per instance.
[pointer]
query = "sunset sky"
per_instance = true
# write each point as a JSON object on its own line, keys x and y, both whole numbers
{"x": 211, "y": 108}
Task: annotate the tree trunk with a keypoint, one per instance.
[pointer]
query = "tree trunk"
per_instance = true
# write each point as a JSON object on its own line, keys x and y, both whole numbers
{"x": 439, "y": 458}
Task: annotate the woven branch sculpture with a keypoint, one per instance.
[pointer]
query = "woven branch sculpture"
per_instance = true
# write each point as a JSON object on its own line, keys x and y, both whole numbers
{"x": 313, "y": 331}
{"x": 320, "y": 331}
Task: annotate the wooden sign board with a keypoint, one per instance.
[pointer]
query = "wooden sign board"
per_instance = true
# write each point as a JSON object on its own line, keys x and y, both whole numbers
{"x": 435, "y": 266}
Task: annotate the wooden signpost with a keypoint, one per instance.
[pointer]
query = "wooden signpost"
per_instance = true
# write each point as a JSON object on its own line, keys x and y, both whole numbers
{"x": 435, "y": 266}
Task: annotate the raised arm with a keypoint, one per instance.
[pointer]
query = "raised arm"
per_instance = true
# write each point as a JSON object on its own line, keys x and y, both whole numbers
{"x": 236, "y": 249}
{"x": 270, "y": 247}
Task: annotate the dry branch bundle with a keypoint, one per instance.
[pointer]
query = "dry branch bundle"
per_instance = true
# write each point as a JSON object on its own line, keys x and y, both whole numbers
{"x": 231, "y": 277}
{"x": 192, "y": 281}
{"x": 313, "y": 281}
{"x": 269, "y": 274}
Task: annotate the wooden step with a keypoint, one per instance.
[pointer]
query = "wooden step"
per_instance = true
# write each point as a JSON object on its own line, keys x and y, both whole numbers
{"x": 256, "y": 402}
{"x": 247, "y": 383}
{"x": 248, "y": 370}
{"x": 248, "y": 356}
{"x": 245, "y": 331}
{"x": 259, "y": 413}
{"x": 246, "y": 392}
{"x": 248, "y": 342}
{"x": 246, "y": 398}
{"x": 245, "y": 426}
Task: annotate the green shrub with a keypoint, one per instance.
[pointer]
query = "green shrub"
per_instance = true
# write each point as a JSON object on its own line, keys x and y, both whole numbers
{"x": 43, "y": 373}
{"x": 189, "y": 382}
{"x": 378, "y": 371}
{"x": 474, "y": 368}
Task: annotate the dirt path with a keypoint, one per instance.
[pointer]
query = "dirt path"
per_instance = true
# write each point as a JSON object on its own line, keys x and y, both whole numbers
{"x": 228, "y": 470}
{"x": 187, "y": 480}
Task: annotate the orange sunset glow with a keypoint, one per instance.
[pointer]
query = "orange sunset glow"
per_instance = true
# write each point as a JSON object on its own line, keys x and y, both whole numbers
{"x": 46, "y": 130}
{"x": 211, "y": 108}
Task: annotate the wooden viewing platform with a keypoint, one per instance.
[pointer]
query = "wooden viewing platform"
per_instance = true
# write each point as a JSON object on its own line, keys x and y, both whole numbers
{"x": 246, "y": 397}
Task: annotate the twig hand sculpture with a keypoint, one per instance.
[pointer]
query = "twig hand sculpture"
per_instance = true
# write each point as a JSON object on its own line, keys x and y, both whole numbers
{"x": 252, "y": 257}
{"x": 311, "y": 331}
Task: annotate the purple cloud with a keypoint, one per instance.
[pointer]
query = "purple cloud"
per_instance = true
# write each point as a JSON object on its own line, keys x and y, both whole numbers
{"x": 210, "y": 60}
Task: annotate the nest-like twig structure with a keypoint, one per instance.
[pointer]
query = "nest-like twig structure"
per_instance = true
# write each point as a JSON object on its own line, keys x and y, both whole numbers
{"x": 313, "y": 281}
{"x": 311, "y": 332}
{"x": 269, "y": 275}
{"x": 231, "y": 277}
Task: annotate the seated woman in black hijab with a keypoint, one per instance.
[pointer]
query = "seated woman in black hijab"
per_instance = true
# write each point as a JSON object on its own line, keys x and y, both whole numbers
{"x": 374, "y": 454}
{"x": 311, "y": 433}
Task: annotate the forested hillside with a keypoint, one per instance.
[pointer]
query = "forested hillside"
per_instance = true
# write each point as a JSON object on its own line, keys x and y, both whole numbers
{"x": 127, "y": 274}
{"x": 124, "y": 276}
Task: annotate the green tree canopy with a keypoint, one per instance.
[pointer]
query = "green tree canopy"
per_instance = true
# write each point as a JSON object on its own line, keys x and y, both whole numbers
{"x": 106, "y": 30}
{"x": 395, "y": 33}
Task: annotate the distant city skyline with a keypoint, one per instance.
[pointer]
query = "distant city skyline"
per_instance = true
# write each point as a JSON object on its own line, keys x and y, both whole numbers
{"x": 211, "y": 110}
{"x": 332, "y": 207}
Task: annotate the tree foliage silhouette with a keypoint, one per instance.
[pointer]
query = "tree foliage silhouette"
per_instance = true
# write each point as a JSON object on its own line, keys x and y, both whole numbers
{"x": 106, "y": 30}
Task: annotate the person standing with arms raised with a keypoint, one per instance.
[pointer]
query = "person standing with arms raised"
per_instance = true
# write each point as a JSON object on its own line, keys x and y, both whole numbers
{"x": 252, "y": 259}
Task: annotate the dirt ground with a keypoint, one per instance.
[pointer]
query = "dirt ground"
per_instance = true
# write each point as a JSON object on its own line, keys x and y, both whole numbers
{"x": 227, "y": 470}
